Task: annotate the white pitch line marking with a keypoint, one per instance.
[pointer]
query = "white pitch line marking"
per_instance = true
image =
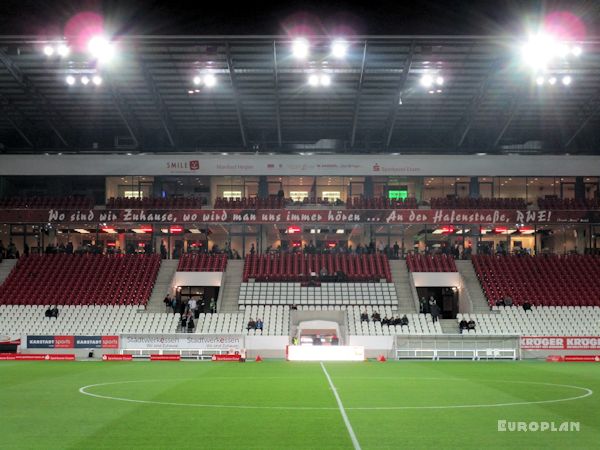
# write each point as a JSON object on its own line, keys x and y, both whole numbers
{"x": 342, "y": 410}
{"x": 588, "y": 392}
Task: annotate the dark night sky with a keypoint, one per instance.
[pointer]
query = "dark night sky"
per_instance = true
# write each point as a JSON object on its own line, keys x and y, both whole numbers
{"x": 218, "y": 17}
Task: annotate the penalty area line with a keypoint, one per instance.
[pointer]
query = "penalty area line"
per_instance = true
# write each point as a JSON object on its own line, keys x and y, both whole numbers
{"x": 342, "y": 410}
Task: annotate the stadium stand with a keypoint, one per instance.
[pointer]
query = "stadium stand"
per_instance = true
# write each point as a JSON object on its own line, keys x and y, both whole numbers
{"x": 380, "y": 203}
{"x": 328, "y": 294}
{"x": 72, "y": 202}
{"x": 299, "y": 267}
{"x": 87, "y": 279}
{"x": 202, "y": 263}
{"x": 553, "y": 202}
{"x": 19, "y": 320}
{"x": 271, "y": 202}
{"x": 539, "y": 321}
{"x": 156, "y": 203}
{"x": 426, "y": 263}
{"x": 276, "y": 320}
{"x": 550, "y": 280}
{"x": 418, "y": 324}
{"x": 478, "y": 203}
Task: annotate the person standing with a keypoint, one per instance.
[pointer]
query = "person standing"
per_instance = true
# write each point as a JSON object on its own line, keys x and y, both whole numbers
{"x": 213, "y": 305}
{"x": 167, "y": 302}
{"x": 435, "y": 311}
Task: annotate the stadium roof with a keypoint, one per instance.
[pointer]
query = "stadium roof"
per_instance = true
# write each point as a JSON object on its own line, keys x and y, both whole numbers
{"x": 262, "y": 102}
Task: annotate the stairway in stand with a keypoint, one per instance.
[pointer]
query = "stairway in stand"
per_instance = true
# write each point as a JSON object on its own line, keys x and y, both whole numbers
{"x": 400, "y": 277}
{"x": 480, "y": 303}
{"x": 167, "y": 270}
{"x": 5, "y": 267}
{"x": 232, "y": 280}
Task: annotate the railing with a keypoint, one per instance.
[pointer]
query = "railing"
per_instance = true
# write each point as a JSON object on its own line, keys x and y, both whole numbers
{"x": 472, "y": 354}
{"x": 200, "y": 354}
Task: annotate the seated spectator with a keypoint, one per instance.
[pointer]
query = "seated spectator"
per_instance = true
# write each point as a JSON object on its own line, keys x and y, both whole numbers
{"x": 397, "y": 320}
{"x": 385, "y": 321}
{"x": 463, "y": 325}
{"x": 404, "y": 320}
{"x": 48, "y": 312}
{"x": 364, "y": 317}
{"x": 294, "y": 307}
{"x": 54, "y": 312}
{"x": 335, "y": 340}
{"x": 259, "y": 325}
{"x": 251, "y": 325}
{"x": 471, "y": 324}
{"x": 508, "y": 301}
{"x": 526, "y": 306}
{"x": 375, "y": 317}
{"x": 323, "y": 272}
{"x": 500, "y": 302}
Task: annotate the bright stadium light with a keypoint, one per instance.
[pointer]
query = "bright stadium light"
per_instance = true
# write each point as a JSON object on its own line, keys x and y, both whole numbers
{"x": 325, "y": 80}
{"x": 210, "y": 80}
{"x": 197, "y": 80}
{"x": 85, "y": 80}
{"x": 300, "y": 48}
{"x": 313, "y": 80}
{"x": 101, "y": 48}
{"x": 552, "y": 81}
{"x": 63, "y": 50}
{"x": 339, "y": 48}
{"x": 97, "y": 80}
{"x": 70, "y": 80}
{"x": 566, "y": 80}
{"x": 426, "y": 80}
{"x": 439, "y": 80}
{"x": 48, "y": 50}
{"x": 576, "y": 50}
{"x": 538, "y": 51}
{"x": 539, "y": 80}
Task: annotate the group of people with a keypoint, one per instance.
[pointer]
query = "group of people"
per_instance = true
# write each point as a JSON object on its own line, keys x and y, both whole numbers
{"x": 257, "y": 324}
{"x": 464, "y": 325}
{"x": 177, "y": 305}
{"x": 52, "y": 311}
{"x": 507, "y": 301}
{"x": 430, "y": 307}
{"x": 376, "y": 317}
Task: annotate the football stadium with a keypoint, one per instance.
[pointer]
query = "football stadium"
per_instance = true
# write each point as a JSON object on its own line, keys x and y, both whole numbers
{"x": 299, "y": 236}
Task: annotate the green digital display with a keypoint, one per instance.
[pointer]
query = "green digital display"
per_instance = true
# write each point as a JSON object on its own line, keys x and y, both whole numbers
{"x": 401, "y": 194}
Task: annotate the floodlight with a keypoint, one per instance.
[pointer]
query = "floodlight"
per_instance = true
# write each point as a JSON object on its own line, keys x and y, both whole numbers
{"x": 562, "y": 50}
{"x": 339, "y": 48}
{"x": 576, "y": 50}
{"x": 101, "y": 48}
{"x": 566, "y": 80}
{"x": 70, "y": 80}
{"x": 48, "y": 50}
{"x": 97, "y": 80}
{"x": 313, "y": 80}
{"x": 426, "y": 80}
{"x": 63, "y": 50}
{"x": 538, "y": 51}
{"x": 300, "y": 48}
{"x": 325, "y": 80}
{"x": 197, "y": 80}
{"x": 552, "y": 81}
{"x": 439, "y": 80}
{"x": 539, "y": 80}
{"x": 85, "y": 80}
{"x": 210, "y": 80}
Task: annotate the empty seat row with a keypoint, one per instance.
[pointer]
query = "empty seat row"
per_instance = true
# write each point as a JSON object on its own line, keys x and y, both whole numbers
{"x": 202, "y": 263}
{"x": 381, "y": 203}
{"x": 302, "y": 267}
{"x": 156, "y": 202}
{"x": 62, "y": 279}
{"x": 70, "y": 202}
{"x": 540, "y": 280}
{"x": 433, "y": 263}
{"x": 478, "y": 203}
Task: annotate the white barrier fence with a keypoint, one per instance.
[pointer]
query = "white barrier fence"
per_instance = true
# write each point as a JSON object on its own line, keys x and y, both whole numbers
{"x": 472, "y": 354}
{"x": 183, "y": 341}
{"x": 199, "y": 354}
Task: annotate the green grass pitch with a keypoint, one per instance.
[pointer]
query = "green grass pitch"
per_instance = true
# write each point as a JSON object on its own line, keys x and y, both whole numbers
{"x": 280, "y": 405}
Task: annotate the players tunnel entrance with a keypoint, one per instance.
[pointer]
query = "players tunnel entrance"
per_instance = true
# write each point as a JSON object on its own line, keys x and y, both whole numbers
{"x": 446, "y": 299}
